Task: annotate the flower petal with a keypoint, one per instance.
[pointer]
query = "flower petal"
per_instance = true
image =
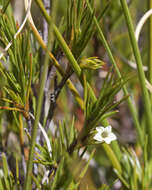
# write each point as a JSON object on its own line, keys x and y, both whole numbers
{"x": 112, "y": 136}
{"x": 108, "y": 129}
{"x": 98, "y": 137}
{"x": 100, "y": 129}
{"x": 107, "y": 140}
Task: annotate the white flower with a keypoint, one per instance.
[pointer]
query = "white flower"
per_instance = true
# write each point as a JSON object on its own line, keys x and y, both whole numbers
{"x": 104, "y": 134}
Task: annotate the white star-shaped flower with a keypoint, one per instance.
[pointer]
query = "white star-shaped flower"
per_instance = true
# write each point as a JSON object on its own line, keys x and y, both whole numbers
{"x": 104, "y": 134}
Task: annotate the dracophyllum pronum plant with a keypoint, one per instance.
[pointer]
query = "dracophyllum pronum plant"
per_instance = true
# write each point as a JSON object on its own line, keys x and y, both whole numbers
{"x": 79, "y": 49}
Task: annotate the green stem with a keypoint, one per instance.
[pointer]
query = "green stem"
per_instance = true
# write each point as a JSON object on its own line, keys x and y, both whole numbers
{"x": 131, "y": 107}
{"x": 39, "y": 104}
{"x": 150, "y": 43}
{"x": 141, "y": 74}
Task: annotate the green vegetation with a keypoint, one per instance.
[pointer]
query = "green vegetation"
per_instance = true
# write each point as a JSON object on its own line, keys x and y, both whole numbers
{"x": 64, "y": 79}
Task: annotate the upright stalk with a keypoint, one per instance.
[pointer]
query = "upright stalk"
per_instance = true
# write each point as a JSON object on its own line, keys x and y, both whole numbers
{"x": 39, "y": 105}
{"x": 141, "y": 75}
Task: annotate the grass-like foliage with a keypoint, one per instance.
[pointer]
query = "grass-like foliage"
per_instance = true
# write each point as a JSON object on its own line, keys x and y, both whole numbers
{"x": 75, "y": 95}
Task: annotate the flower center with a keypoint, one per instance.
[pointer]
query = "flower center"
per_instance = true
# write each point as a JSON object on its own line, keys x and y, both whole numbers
{"x": 104, "y": 134}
